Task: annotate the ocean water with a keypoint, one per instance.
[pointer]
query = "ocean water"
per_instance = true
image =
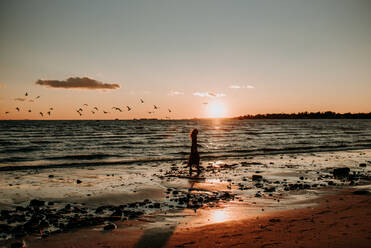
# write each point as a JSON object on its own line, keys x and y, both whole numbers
{"x": 36, "y": 144}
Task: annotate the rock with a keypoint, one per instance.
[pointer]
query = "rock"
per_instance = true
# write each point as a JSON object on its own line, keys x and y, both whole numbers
{"x": 341, "y": 172}
{"x": 270, "y": 189}
{"x": 274, "y": 220}
{"x": 361, "y": 192}
{"x": 36, "y": 203}
{"x": 257, "y": 177}
{"x": 362, "y": 165}
{"x": 78, "y": 181}
{"x": 156, "y": 205}
{"x": 4, "y": 228}
{"x": 20, "y": 208}
{"x": 16, "y": 245}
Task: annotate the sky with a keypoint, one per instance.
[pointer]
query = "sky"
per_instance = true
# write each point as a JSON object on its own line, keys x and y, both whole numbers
{"x": 195, "y": 58}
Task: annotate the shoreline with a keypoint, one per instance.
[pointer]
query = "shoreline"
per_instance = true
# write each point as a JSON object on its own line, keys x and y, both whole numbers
{"x": 340, "y": 218}
{"x": 162, "y": 200}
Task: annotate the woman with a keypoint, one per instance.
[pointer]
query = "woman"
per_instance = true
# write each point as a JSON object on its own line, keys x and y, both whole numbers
{"x": 194, "y": 157}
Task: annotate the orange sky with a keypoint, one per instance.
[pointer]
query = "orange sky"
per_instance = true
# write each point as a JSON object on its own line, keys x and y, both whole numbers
{"x": 240, "y": 57}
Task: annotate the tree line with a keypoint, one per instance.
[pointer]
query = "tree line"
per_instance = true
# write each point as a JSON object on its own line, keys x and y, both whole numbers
{"x": 307, "y": 115}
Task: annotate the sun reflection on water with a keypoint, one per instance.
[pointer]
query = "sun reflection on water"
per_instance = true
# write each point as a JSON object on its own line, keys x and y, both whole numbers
{"x": 219, "y": 215}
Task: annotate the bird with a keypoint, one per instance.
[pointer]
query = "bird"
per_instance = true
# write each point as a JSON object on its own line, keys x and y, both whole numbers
{"x": 37, "y": 97}
{"x": 149, "y": 112}
{"x": 7, "y": 112}
{"x": 141, "y": 100}
{"x": 51, "y": 108}
{"x": 79, "y": 112}
{"x": 128, "y": 108}
{"x": 49, "y": 113}
{"x": 80, "y": 109}
{"x": 26, "y": 94}
{"x": 105, "y": 112}
{"x": 155, "y": 107}
{"x": 169, "y": 110}
{"x": 17, "y": 109}
{"x": 92, "y": 112}
{"x": 85, "y": 104}
{"x": 96, "y": 108}
{"x": 41, "y": 113}
{"x": 29, "y": 111}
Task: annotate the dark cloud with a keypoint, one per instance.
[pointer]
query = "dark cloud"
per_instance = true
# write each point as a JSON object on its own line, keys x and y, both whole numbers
{"x": 20, "y": 99}
{"x": 77, "y": 83}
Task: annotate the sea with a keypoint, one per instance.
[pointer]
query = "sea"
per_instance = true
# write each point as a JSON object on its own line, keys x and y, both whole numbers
{"x": 57, "y": 144}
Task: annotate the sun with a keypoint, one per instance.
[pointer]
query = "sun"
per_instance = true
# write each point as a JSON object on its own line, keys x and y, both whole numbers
{"x": 216, "y": 109}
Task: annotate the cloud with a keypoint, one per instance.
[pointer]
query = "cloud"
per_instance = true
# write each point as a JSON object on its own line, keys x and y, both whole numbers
{"x": 175, "y": 93}
{"x": 208, "y": 94}
{"x": 20, "y": 99}
{"x": 77, "y": 83}
{"x": 241, "y": 87}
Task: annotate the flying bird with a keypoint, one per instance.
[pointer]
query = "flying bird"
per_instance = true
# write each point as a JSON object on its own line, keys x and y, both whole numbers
{"x": 116, "y": 108}
{"x": 141, "y": 100}
{"x": 169, "y": 110}
{"x": 96, "y": 108}
{"x": 80, "y": 110}
{"x": 149, "y": 112}
{"x": 85, "y": 104}
{"x": 128, "y": 108}
{"x": 51, "y": 108}
{"x": 17, "y": 109}
{"x": 49, "y": 113}
{"x": 105, "y": 112}
{"x": 155, "y": 107}
{"x": 7, "y": 112}
{"x": 92, "y": 112}
{"x": 41, "y": 113}
{"x": 37, "y": 97}
{"x": 29, "y": 111}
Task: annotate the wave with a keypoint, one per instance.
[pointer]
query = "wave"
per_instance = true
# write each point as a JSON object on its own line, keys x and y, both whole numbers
{"x": 98, "y": 159}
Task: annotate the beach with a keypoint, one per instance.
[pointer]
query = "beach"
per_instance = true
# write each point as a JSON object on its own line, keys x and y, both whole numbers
{"x": 261, "y": 201}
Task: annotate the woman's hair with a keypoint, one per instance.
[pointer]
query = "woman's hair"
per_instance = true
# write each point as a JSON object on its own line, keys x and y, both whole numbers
{"x": 193, "y": 133}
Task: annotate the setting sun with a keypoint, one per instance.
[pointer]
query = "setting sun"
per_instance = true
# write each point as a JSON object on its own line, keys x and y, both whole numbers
{"x": 216, "y": 109}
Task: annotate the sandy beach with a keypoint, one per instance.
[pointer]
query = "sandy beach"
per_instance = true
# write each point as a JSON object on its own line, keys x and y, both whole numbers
{"x": 292, "y": 200}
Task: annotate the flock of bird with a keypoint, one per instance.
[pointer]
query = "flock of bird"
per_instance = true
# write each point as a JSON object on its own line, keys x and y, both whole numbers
{"x": 94, "y": 110}
{"x": 29, "y": 110}
{"x": 85, "y": 108}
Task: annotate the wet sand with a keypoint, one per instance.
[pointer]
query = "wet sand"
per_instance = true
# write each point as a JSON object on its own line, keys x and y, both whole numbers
{"x": 340, "y": 219}
{"x": 262, "y": 201}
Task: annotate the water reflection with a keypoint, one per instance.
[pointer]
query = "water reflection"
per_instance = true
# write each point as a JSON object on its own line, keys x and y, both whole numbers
{"x": 219, "y": 215}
